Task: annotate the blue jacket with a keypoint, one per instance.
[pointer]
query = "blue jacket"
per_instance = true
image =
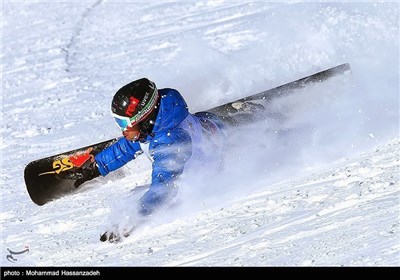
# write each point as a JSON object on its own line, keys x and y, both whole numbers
{"x": 178, "y": 139}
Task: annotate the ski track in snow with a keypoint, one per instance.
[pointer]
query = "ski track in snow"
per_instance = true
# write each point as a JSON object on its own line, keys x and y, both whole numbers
{"x": 337, "y": 202}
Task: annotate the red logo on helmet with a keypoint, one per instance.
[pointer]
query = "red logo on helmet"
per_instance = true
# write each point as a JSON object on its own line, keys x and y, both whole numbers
{"x": 133, "y": 102}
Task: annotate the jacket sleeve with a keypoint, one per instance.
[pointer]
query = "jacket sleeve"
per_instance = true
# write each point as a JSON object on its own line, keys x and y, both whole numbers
{"x": 171, "y": 152}
{"x": 117, "y": 155}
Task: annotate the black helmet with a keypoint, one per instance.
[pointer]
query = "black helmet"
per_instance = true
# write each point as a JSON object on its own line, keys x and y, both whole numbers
{"x": 136, "y": 103}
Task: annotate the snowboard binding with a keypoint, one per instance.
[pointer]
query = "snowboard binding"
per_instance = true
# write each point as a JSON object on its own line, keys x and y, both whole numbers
{"x": 243, "y": 112}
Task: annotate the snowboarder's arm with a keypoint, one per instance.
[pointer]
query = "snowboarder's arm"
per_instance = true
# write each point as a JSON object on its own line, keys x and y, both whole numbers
{"x": 117, "y": 155}
{"x": 170, "y": 155}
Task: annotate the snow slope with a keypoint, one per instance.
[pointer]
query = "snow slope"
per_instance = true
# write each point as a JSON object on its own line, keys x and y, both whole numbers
{"x": 326, "y": 194}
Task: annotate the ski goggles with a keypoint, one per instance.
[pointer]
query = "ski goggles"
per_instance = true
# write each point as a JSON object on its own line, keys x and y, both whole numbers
{"x": 122, "y": 122}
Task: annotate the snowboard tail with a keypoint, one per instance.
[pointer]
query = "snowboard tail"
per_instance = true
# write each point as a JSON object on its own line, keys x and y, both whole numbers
{"x": 53, "y": 177}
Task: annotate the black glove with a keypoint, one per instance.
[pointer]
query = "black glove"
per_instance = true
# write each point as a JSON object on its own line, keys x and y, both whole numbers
{"x": 86, "y": 173}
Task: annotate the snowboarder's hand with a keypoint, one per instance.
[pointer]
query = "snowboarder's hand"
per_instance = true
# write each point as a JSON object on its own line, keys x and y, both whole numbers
{"x": 87, "y": 173}
{"x": 116, "y": 235}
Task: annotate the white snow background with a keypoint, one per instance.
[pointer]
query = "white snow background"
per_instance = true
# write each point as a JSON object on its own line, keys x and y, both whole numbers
{"x": 326, "y": 194}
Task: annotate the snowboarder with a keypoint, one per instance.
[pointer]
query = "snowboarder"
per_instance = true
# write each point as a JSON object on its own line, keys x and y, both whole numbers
{"x": 177, "y": 139}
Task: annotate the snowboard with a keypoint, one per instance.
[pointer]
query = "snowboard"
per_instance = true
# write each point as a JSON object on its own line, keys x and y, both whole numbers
{"x": 52, "y": 177}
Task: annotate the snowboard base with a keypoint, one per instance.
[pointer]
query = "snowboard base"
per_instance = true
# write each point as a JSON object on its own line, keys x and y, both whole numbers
{"x": 53, "y": 177}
